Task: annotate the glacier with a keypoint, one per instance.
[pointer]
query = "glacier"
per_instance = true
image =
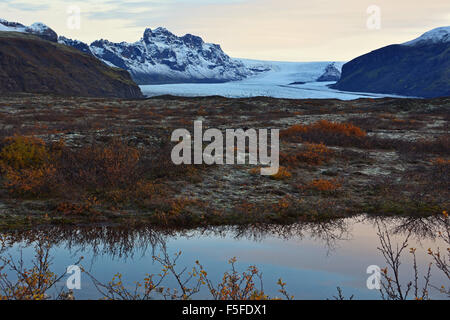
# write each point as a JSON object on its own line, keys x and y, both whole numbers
{"x": 163, "y": 63}
{"x": 275, "y": 82}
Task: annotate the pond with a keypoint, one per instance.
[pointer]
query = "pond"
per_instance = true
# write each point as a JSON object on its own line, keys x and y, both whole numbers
{"x": 313, "y": 259}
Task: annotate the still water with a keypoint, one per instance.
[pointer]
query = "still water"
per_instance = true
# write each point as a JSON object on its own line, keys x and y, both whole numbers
{"x": 312, "y": 258}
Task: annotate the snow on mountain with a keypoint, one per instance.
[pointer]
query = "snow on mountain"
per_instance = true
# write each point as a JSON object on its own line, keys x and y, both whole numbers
{"x": 331, "y": 74}
{"x": 39, "y": 29}
{"x": 11, "y": 26}
{"x": 162, "y": 57}
{"x": 83, "y": 47}
{"x": 437, "y": 35}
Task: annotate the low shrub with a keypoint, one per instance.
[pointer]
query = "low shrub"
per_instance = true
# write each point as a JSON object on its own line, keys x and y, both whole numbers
{"x": 22, "y": 152}
{"x": 26, "y": 163}
{"x": 282, "y": 174}
{"x": 323, "y": 126}
{"x": 313, "y": 154}
{"x": 322, "y": 185}
{"x": 100, "y": 166}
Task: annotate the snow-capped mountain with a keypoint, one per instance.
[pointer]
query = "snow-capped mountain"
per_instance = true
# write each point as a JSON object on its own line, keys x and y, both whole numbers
{"x": 83, "y": 47}
{"x": 162, "y": 57}
{"x": 39, "y": 29}
{"x": 331, "y": 73}
{"x": 434, "y": 36}
{"x": 158, "y": 57}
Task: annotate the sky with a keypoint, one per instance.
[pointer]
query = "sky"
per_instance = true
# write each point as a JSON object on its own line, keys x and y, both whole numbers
{"x": 280, "y": 30}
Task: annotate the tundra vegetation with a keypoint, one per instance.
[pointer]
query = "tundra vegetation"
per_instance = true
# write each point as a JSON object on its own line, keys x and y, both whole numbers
{"x": 72, "y": 160}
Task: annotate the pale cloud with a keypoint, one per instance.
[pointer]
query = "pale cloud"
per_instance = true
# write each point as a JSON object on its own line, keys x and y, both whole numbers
{"x": 26, "y": 6}
{"x": 295, "y": 30}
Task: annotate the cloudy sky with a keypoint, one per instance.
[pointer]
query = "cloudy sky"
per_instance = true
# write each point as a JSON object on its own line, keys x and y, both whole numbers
{"x": 288, "y": 30}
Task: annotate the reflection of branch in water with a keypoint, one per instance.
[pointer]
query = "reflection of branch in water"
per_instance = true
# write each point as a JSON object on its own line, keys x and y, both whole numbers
{"x": 117, "y": 242}
{"x": 391, "y": 286}
{"x": 124, "y": 242}
{"x": 36, "y": 282}
{"x": 4, "y": 245}
{"x": 442, "y": 260}
{"x": 420, "y": 227}
{"x": 330, "y": 232}
{"x": 121, "y": 242}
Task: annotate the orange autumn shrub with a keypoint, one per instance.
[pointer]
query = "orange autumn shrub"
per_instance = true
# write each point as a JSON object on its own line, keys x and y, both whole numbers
{"x": 283, "y": 204}
{"x": 440, "y": 162}
{"x": 314, "y": 154}
{"x": 29, "y": 181}
{"x": 255, "y": 171}
{"x": 324, "y": 126}
{"x": 26, "y": 165}
{"x": 282, "y": 174}
{"x": 178, "y": 206}
{"x": 437, "y": 176}
{"x": 345, "y": 128}
{"x": 69, "y": 208}
{"x": 99, "y": 167}
{"x": 30, "y": 166}
{"x": 31, "y": 284}
{"x": 23, "y": 153}
{"x": 322, "y": 185}
{"x": 175, "y": 211}
{"x": 235, "y": 285}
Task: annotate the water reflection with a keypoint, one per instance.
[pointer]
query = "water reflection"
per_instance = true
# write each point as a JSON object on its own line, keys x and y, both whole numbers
{"x": 313, "y": 257}
{"x": 122, "y": 242}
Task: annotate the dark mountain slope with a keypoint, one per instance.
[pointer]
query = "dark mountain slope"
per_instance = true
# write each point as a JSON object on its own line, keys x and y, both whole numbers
{"x": 31, "y": 64}
{"x": 417, "y": 68}
{"x": 411, "y": 71}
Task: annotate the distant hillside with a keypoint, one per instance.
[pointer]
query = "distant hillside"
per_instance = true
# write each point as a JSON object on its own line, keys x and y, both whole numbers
{"x": 31, "y": 64}
{"x": 418, "y": 68}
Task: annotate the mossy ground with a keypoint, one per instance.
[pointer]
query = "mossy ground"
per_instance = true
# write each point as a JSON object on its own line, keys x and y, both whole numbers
{"x": 399, "y": 166}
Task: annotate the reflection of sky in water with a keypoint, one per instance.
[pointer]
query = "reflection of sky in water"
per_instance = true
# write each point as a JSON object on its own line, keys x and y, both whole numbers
{"x": 311, "y": 266}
